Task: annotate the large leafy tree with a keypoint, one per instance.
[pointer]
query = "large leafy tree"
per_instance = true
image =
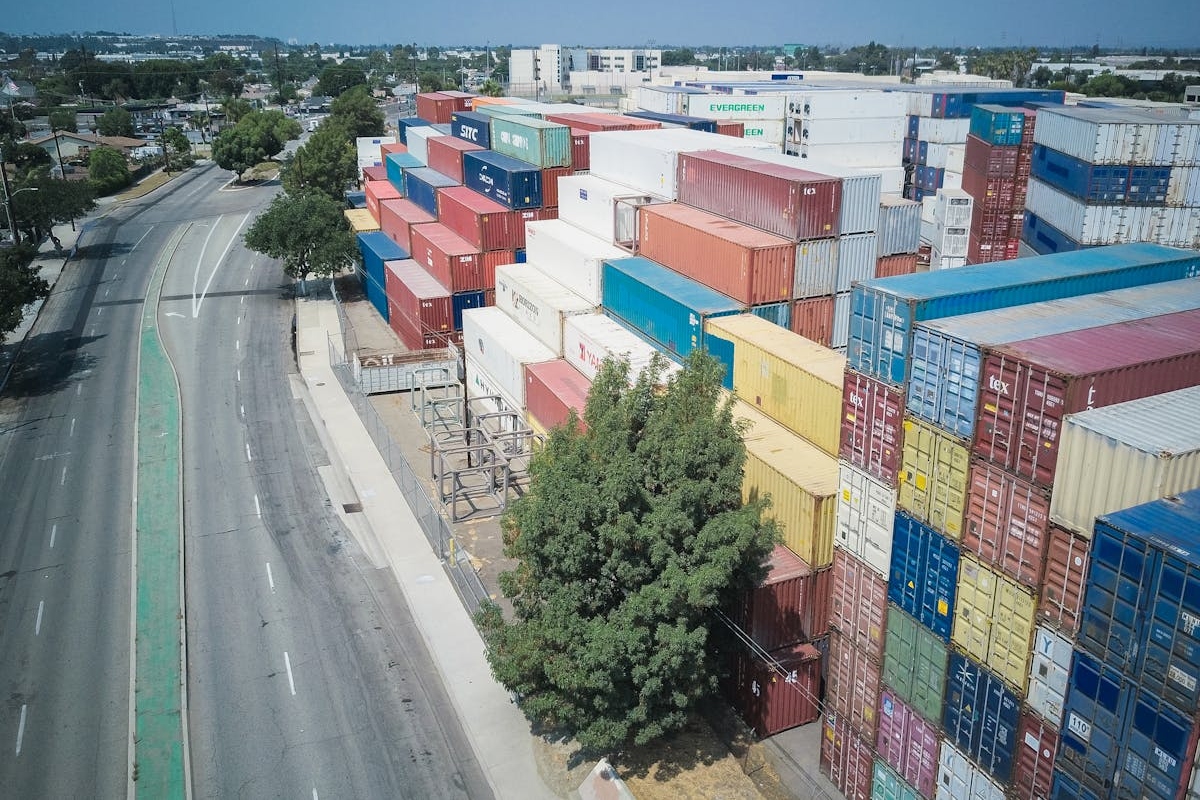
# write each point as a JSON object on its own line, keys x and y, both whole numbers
{"x": 177, "y": 150}
{"x": 54, "y": 201}
{"x": 107, "y": 170}
{"x": 115, "y": 122}
{"x": 326, "y": 163}
{"x": 63, "y": 119}
{"x": 307, "y": 231}
{"x": 632, "y": 536}
{"x": 259, "y": 136}
{"x": 337, "y": 78}
{"x": 356, "y": 111}
{"x": 19, "y": 284}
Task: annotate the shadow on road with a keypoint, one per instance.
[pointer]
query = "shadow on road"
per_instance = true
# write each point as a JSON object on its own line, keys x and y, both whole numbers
{"x": 48, "y": 362}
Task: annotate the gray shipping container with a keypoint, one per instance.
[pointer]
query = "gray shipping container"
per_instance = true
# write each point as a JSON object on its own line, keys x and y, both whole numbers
{"x": 899, "y": 226}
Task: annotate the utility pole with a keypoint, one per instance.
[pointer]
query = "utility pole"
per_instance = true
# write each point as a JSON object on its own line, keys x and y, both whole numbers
{"x": 162, "y": 138}
{"x": 62, "y": 170}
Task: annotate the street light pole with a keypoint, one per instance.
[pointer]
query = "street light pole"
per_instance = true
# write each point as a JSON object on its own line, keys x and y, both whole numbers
{"x": 62, "y": 170}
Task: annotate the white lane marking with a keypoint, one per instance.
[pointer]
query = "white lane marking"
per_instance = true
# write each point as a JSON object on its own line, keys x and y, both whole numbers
{"x": 239, "y": 376}
{"x": 37, "y": 626}
{"x": 197, "y": 303}
{"x": 239, "y": 321}
{"x": 247, "y": 282}
{"x": 78, "y": 389}
{"x": 172, "y": 314}
{"x": 288, "y": 663}
{"x": 21, "y": 729}
{"x": 99, "y": 311}
{"x": 270, "y": 577}
{"x": 139, "y": 241}
{"x": 315, "y": 794}
{"x": 257, "y": 507}
{"x": 106, "y": 292}
{"x": 237, "y": 345}
{"x": 243, "y": 299}
{"x": 53, "y": 533}
{"x": 248, "y": 456}
{"x": 242, "y": 409}
{"x": 72, "y": 426}
{"x": 63, "y": 480}
{"x": 196, "y": 272}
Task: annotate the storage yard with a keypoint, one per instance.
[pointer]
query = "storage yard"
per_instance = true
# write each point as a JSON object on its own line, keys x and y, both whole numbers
{"x": 963, "y": 325}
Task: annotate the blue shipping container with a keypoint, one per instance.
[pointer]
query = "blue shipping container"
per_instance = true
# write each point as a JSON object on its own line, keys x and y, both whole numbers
{"x": 981, "y": 716}
{"x": 396, "y": 164}
{"x": 1155, "y": 758}
{"x": 462, "y": 300}
{"x": 695, "y": 123}
{"x": 520, "y": 259}
{"x": 924, "y": 574}
{"x": 1093, "y": 721}
{"x": 666, "y": 307}
{"x": 1119, "y": 576}
{"x": 509, "y": 181}
{"x": 779, "y": 313}
{"x": 422, "y": 185}
{"x": 997, "y": 125}
{"x": 1044, "y": 238}
{"x": 914, "y": 126}
{"x": 1067, "y": 788}
{"x": 472, "y": 127}
{"x": 404, "y": 123}
{"x": 356, "y": 199}
{"x": 1089, "y": 182}
{"x": 884, "y": 310}
{"x": 377, "y": 247}
{"x": 1148, "y": 185}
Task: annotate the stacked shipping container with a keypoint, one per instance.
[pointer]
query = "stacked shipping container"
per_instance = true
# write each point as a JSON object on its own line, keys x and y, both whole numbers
{"x": 996, "y": 172}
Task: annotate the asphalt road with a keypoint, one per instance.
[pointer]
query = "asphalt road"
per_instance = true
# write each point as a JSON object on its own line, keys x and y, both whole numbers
{"x": 306, "y": 676}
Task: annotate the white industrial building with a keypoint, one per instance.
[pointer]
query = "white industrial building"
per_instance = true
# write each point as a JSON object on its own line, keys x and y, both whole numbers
{"x": 553, "y": 69}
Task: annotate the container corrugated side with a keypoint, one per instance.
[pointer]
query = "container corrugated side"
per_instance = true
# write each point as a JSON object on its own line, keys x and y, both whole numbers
{"x": 887, "y": 785}
{"x": 417, "y": 295}
{"x": 396, "y": 218}
{"x": 914, "y": 665}
{"x": 933, "y": 478}
{"x": 601, "y": 207}
{"x": 543, "y": 144}
{"x": 924, "y": 574}
{"x": 981, "y": 716}
{"x": 773, "y": 366}
{"x": 958, "y": 778}
{"x": 816, "y": 268}
{"x": 1159, "y": 750}
{"x": 846, "y": 758}
{"x": 856, "y": 259}
{"x": 1094, "y": 719}
{"x": 588, "y": 339}
{"x": 481, "y": 221}
{"x": 789, "y": 606}
{"x": 1097, "y": 136}
{"x": 767, "y": 703}
{"x": 858, "y": 607}
{"x": 899, "y": 225}
{"x": 375, "y": 192}
{"x": 1067, "y": 562}
{"x": 865, "y": 516}
{"x": 570, "y": 255}
{"x": 509, "y": 181}
{"x": 812, "y": 318}
{"x": 907, "y": 742}
{"x": 1033, "y": 772}
{"x": 445, "y": 155}
{"x": 872, "y": 426}
{"x": 994, "y": 621}
{"x": 1049, "y": 671}
{"x": 1007, "y": 522}
{"x": 486, "y": 390}
{"x": 841, "y": 321}
{"x": 852, "y": 686}
{"x": 552, "y": 389}
{"x": 502, "y": 347}
{"x": 1108, "y": 224}
{"x": 1125, "y": 455}
{"x": 538, "y": 302}
{"x": 861, "y": 188}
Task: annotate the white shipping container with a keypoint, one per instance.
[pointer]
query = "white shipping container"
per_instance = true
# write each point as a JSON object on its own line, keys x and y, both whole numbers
{"x": 501, "y": 347}
{"x": 846, "y": 104}
{"x": 1184, "y": 187}
{"x": 573, "y": 257}
{"x": 481, "y": 385}
{"x": 659, "y": 99}
{"x": 741, "y": 108}
{"x": 1178, "y": 143}
{"x": 949, "y": 242}
{"x": 758, "y": 131}
{"x": 939, "y": 261}
{"x": 1100, "y": 136}
{"x": 539, "y": 303}
{"x": 841, "y": 321}
{"x": 849, "y": 131}
{"x": 952, "y": 208}
{"x": 959, "y": 779}
{"x": 591, "y": 204}
{"x": 418, "y": 141}
{"x": 943, "y": 131}
{"x": 857, "y": 254}
{"x": 1049, "y": 670}
{"x": 874, "y": 154}
{"x": 899, "y": 228}
{"x": 646, "y": 160}
{"x": 1096, "y": 224}
{"x": 891, "y": 179}
{"x": 952, "y": 180}
{"x": 860, "y": 188}
{"x": 588, "y": 339}
{"x": 946, "y": 156}
{"x": 866, "y": 512}
{"x": 369, "y": 152}
{"x": 816, "y": 268}
{"x": 1124, "y": 455}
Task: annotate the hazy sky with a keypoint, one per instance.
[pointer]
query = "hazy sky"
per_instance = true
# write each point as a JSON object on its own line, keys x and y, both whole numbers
{"x": 1124, "y": 23}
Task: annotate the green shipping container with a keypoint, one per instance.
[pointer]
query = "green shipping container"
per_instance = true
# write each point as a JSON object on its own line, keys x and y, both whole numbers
{"x": 914, "y": 664}
{"x": 506, "y": 110}
{"x": 887, "y": 785}
{"x": 543, "y": 144}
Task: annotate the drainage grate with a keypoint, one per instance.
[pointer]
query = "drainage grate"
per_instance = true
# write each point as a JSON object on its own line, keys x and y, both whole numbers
{"x": 352, "y": 508}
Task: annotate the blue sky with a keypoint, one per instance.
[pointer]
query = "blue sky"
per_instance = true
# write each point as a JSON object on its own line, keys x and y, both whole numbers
{"x": 1121, "y": 23}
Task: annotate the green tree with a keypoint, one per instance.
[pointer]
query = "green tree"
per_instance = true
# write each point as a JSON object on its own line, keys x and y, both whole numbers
{"x": 632, "y": 535}
{"x": 19, "y": 284}
{"x": 357, "y": 112}
{"x": 337, "y": 78}
{"x": 115, "y": 122}
{"x": 177, "y": 150}
{"x": 107, "y": 170}
{"x": 327, "y": 163}
{"x": 25, "y": 158}
{"x": 236, "y": 109}
{"x": 307, "y": 231}
{"x": 55, "y": 201}
{"x": 63, "y": 119}
{"x": 430, "y": 82}
{"x": 259, "y": 136}
{"x": 491, "y": 89}
{"x": 676, "y": 58}
{"x": 947, "y": 62}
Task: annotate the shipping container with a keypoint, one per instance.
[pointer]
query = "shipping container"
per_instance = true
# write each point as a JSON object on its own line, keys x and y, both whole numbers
{"x": 1033, "y": 773}
{"x": 865, "y": 516}
{"x": 396, "y": 164}
{"x": 914, "y": 665}
{"x": 988, "y": 162}
{"x": 778, "y": 314}
{"x": 552, "y": 390}
{"x": 861, "y": 188}
{"x": 780, "y": 694}
{"x": 445, "y": 155}
{"x": 523, "y": 109}
{"x": 1068, "y": 788}
{"x": 1067, "y": 560}
{"x": 422, "y": 184}
{"x": 994, "y": 621}
{"x": 417, "y": 295}
{"x": 535, "y": 141}
{"x": 801, "y": 481}
{"x": 454, "y": 261}
{"x": 1044, "y": 239}
{"x": 724, "y": 107}
{"x": 816, "y": 268}
{"x": 1007, "y": 522}
{"x": 731, "y": 128}
{"x": 885, "y": 310}
{"x": 605, "y": 209}
{"x": 509, "y": 181}
{"x": 907, "y": 743}
{"x": 933, "y": 478}
{"x": 872, "y": 426}
{"x": 1125, "y": 455}
{"x": 479, "y": 220}
{"x": 538, "y": 302}
{"x": 668, "y": 308}
{"x": 487, "y": 392}
{"x": 1116, "y": 136}
{"x": 852, "y": 686}
{"x": 570, "y": 255}
{"x": 376, "y": 248}
{"x": 581, "y": 149}
{"x": 893, "y": 265}
{"x": 856, "y": 259}
{"x": 887, "y": 785}
{"x": 1094, "y": 721}
{"x": 790, "y": 605}
{"x": 1091, "y": 183}
{"x": 592, "y": 122}
{"x": 588, "y": 339}
{"x": 812, "y": 318}
{"x": 997, "y": 125}
{"x": 502, "y": 348}
{"x": 369, "y": 149}
{"x": 858, "y": 606}
{"x": 418, "y": 140}
{"x": 846, "y": 758}
{"x": 1049, "y": 672}
{"x": 461, "y": 301}
{"x": 437, "y": 107}
{"x": 788, "y": 201}
{"x": 550, "y": 178}
{"x": 377, "y": 191}
{"x": 981, "y": 717}
{"x": 676, "y": 120}
{"x": 1028, "y": 387}
{"x": 396, "y": 218}
{"x": 405, "y": 124}
{"x": 361, "y": 221}
{"x": 472, "y": 127}
{"x": 745, "y": 263}
{"x": 378, "y": 173}
{"x": 1091, "y": 224}
{"x": 924, "y": 574}
{"x": 899, "y": 226}
{"x": 959, "y": 779}
{"x": 1159, "y": 749}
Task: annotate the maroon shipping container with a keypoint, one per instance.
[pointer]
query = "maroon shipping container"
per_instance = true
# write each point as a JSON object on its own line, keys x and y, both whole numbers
{"x": 858, "y": 605}
{"x": 436, "y": 107}
{"x": 1027, "y": 387}
{"x": 770, "y": 702}
{"x": 445, "y": 155}
{"x": 984, "y": 252}
{"x": 853, "y": 686}
{"x": 454, "y": 261}
{"x": 907, "y": 743}
{"x": 394, "y": 147}
{"x": 417, "y": 295}
{"x": 872, "y": 426}
{"x": 791, "y": 605}
{"x": 465, "y": 99}
{"x": 846, "y": 758}
{"x": 1007, "y": 522}
{"x": 552, "y": 389}
{"x": 1062, "y": 583}
{"x": 377, "y": 191}
{"x": 995, "y": 193}
{"x": 1033, "y": 770}
{"x": 899, "y": 264}
{"x": 990, "y": 221}
{"x": 550, "y": 178}
{"x": 397, "y": 216}
{"x": 786, "y": 201}
{"x": 492, "y": 259}
{"x": 411, "y": 334}
{"x": 480, "y": 220}
{"x": 374, "y": 173}
{"x": 744, "y": 263}
{"x": 992, "y": 161}
{"x": 730, "y": 128}
{"x": 812, "y": 318}
{"x": 581, "y": 149}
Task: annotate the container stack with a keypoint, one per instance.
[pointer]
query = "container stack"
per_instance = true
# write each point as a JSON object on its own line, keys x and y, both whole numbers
{"x": 854, "y": 127}
{"x": 996, "y": 174}
{"x": 948, "y": 230}
{"x": 1110, "y": 175}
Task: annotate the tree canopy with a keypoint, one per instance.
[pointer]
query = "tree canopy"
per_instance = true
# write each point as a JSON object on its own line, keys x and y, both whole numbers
{"x": 19, "y": 284}
{"x": 258, "y": 136}
{"x": 307, "y": 231}
{"x": 632, "y": 535}
{"x": 327, "y": 163}
{"x": 676, "y": 58}
{"x": 356, "y": 111}
{"x": 337, "y": 78}
{"x": 115, "y": 122}
{"x": 54, "y": 201}
{"x": 63, "y": 119}
{"x": 107, "y": 170}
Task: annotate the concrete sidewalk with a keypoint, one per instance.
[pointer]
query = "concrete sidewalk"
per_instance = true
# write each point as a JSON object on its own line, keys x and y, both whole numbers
{"x": 496, "y": 728}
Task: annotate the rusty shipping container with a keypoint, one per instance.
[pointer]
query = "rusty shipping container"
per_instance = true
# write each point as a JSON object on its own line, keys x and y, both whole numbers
{"x": 397, "y": 216}
{"x": 592, "y": 122}
{"x": 853, "y": 685}
{"x": 771, "y": 702}
{"x": 581, "y": 149}
{"x": 417, "y": 295}
{"x": 552, "y": 390}
{"x": 1028, "y": 387}
{"x": 812, "y": 318}
{"x": 444, "y": 154}
{"x": 436, "y": 107}
{"x": 872, "y": 426}
{"x": 846, "y": 759}
{"x": 550, "y": 176}
{"x": 908, "y": 743}
{"x": 858, "y": 606}
{"x": 480, "y": 220}
{"x": 789, "y": 202}
{"x": 1061, "y": 599}
{"x": 893, "y": 265}
{"x": 1033, "y": 771}
{"x": 454, "y": 261}
{"x": 1007, "y": 522}
{"x": 790, "y": 606}
{"x": 377, "y": 191}
{"x": 744, "y": 263}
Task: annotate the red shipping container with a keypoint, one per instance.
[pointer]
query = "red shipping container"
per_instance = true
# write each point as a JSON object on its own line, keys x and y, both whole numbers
{"x": 729, "y": 128}
{"x": 991, "y": 161}
{"x": 872, "y": 426}
{"x": 1007, "y": 522}
{"x": 791, "y": 605}
{"x": 846, "y": 759}
{"x": 552, "y": 389}
{"x": 550, "y": 178}
{"x": 417, "y": 295}
{"x": 492, "y": 259}
{"x": 812, "y": 318}
{"x": 1027, "y": 387}
{"x": 412, "y": 336}
{"x": 387, "y": 149}
{"x": 1062, "y": 584}
{"x": 786, "y": 201}
{"x": 445, "y": 155}
{"x": 480, "y": 220}
{"x": 989, "y": 221}
{"x": 988, "y": 191}
{"x": 374, "y": 174}
{"x": 858, "y": 606}
{"x": 744, "y": 263}
{"x": 853, "y": 686}
{"x": 436, "y": 107}
{"x": 770, "y": 702}
{"x": 464, "y": 99}
{"x": 396, "y": 218}
{"x": 1033, "y": 770}
{"x": 451, "y": 259}
{"x": 899, "y": 264}
{"x": 581, "y": 149}
{"x": 907, "y": 743}
{"x": 377, "y": 191}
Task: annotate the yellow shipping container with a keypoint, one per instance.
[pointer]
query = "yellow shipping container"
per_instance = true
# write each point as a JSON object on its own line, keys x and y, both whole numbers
{"x": 934, "y": 478}
{"x": 994, "y": 620}
{"x": 794, "y": 381}
{"x": 801, "y": 480}
{"x": 361, "y": 221}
